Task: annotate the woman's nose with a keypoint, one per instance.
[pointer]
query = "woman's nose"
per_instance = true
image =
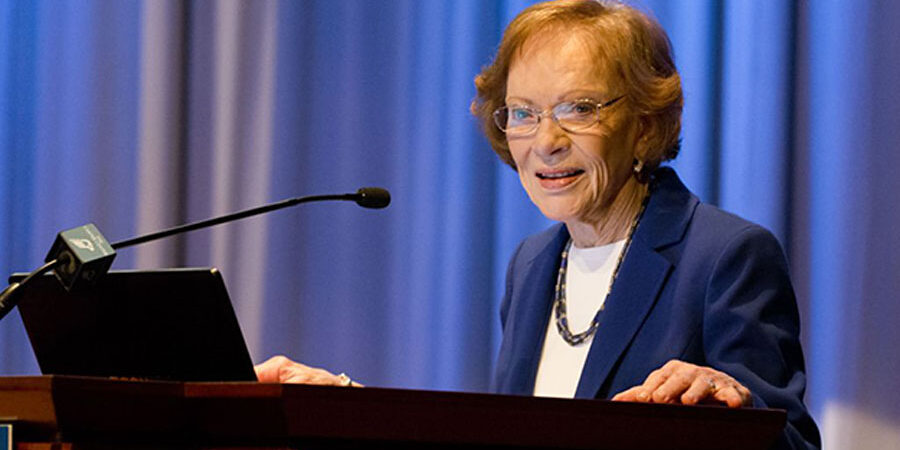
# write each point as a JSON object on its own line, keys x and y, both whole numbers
{"x": 550, "y": 141}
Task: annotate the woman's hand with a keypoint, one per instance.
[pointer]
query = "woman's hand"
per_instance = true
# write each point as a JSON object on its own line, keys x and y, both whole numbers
{"x": 280, "y": 369}
{"x": 688, "y": 384}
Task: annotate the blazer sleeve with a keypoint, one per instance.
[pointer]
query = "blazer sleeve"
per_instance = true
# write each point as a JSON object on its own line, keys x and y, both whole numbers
{"x": 507, "y": 292}
{"x": 502, "y": 363}
{"x": 751, "y": 330}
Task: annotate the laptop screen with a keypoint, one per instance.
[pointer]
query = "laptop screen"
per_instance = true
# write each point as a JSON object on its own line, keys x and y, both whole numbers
{"x": 173, "y": 324}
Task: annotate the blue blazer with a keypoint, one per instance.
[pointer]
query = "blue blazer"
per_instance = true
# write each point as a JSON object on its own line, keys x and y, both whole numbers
{"x": 698, "y": 284}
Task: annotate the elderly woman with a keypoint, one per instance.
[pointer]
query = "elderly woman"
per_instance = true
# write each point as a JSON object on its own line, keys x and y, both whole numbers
{"x": 642, "y": 293}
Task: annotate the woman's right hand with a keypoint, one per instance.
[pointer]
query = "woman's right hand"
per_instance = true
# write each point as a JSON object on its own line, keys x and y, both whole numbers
{"x": 280, "y": 369}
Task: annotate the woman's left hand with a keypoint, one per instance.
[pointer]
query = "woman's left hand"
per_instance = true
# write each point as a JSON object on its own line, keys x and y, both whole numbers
{"x": 281, "y": 369}
{"x": 688, "y": 384}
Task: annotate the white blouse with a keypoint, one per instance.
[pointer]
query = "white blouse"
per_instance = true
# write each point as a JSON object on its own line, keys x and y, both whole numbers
{"x": 588, "y": 274}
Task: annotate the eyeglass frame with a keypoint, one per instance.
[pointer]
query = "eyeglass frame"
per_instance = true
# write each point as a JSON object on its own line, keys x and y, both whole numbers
{"x": 540, "y": 115}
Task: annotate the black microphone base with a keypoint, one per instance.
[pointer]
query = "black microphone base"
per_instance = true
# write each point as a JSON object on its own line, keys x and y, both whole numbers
{"x": 83, "y": 255}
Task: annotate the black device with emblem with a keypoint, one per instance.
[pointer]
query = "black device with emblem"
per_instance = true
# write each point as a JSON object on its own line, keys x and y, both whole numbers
{"x": 82, "y": 255}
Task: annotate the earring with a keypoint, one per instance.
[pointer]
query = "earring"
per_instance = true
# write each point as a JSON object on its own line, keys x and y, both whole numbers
{"x": 638, "y": 167}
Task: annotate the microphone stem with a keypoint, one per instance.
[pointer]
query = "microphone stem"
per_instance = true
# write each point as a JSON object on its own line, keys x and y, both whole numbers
{"x": 227, "y": 218}
{"x": 10, "y": 296}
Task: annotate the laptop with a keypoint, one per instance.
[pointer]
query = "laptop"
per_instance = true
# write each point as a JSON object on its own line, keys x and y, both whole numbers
{"x": 172, "y": 324}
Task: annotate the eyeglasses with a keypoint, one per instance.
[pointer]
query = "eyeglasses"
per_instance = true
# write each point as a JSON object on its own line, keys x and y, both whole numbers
{"x": 571, "y": 116}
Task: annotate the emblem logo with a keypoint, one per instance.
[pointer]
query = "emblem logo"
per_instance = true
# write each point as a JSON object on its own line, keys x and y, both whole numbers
{"x": 84, "y": 244}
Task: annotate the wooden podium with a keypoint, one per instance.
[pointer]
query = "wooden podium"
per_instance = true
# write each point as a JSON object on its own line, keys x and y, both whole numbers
{"x": 77, "y": 413}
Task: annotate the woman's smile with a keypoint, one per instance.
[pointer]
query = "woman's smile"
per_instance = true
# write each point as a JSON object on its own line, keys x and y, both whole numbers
{"x": 558, "y": 179}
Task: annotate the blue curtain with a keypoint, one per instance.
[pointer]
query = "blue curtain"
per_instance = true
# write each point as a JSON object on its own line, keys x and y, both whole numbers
{"x": 138, "y": 115}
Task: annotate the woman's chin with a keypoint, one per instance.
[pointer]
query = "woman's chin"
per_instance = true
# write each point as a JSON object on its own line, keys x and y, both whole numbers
{"x": 558, "y": 212}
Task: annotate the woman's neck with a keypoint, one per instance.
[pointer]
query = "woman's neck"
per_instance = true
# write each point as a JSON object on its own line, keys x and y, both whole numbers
{"x": 613, "y": 222}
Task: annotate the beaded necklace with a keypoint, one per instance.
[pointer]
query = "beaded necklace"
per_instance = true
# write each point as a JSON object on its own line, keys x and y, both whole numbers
{"x": 559, "y": 297}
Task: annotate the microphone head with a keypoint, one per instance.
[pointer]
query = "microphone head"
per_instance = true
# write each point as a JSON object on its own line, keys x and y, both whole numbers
{"x": 373, "y": 197}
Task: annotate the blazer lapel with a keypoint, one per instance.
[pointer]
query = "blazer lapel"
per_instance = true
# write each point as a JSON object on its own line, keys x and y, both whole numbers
{"x": 634, "y": 293}
{"x": 530, "y": 318}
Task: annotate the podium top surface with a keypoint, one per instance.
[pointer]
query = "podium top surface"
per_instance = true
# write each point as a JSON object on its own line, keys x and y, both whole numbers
{"x": 95, "y": 409}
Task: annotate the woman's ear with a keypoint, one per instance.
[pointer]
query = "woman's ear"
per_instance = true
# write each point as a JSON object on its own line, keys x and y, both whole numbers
{"x": 642, "y": 153}
{"x": 642, "y": 140}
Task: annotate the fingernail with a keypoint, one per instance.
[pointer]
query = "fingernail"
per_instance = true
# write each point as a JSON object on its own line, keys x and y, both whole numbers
{"x": 642, "y": 396}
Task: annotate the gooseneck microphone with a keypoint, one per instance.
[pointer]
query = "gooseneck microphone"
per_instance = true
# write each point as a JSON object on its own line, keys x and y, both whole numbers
{"x": 372, "y": 197}
{"x": 82, "y": 255}
{"x": 368, "y": 197}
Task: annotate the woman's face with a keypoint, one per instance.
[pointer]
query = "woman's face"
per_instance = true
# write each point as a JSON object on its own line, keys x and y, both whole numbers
{"x": 570, "y": 176}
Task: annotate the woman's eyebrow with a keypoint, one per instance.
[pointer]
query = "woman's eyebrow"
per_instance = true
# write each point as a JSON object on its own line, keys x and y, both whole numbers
{"x": 576, "y": 94}
{"x": 515, "y": 99}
